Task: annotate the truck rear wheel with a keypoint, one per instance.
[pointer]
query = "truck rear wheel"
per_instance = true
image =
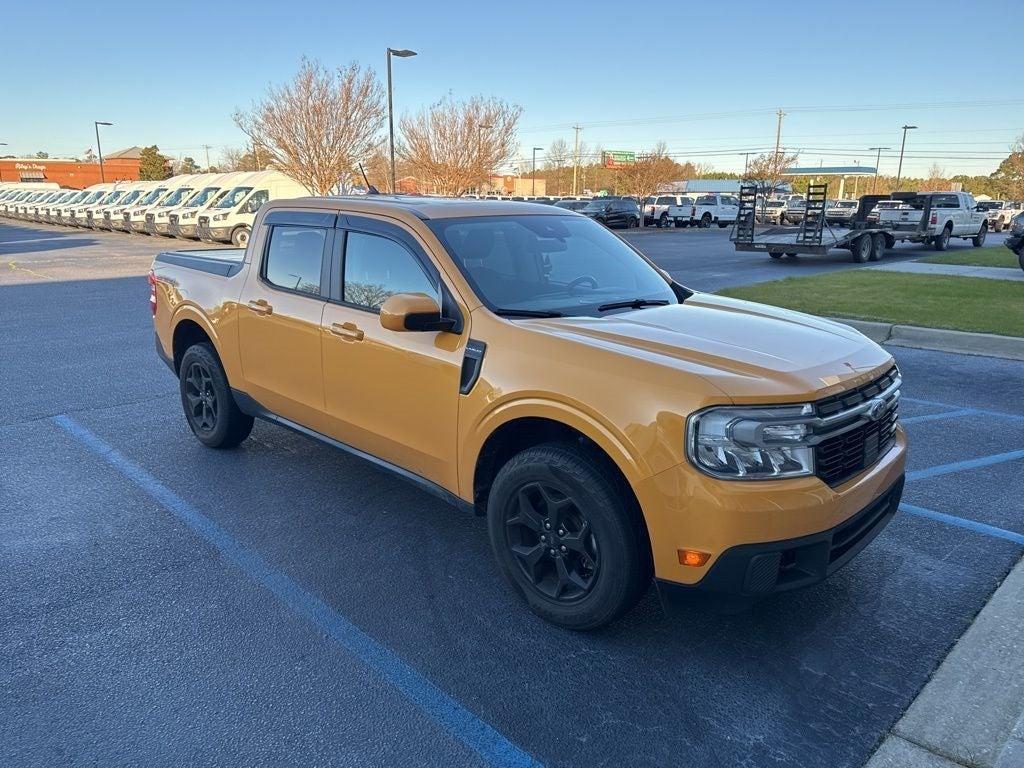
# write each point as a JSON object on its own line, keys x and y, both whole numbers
{"x": 566, "y": 537}
{"x": 979, "y": 239}
{"x": 705, "y": 221}
{"x": 210, "y": 409}
{"x": 861, "y": 249}
{"x": 663, "y": 221}
{"x": 940, "y": 241}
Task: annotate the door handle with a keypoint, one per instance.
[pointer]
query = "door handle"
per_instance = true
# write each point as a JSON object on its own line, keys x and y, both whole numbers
{"x": 347, "y": 331}
{"x": 260, "y": 307}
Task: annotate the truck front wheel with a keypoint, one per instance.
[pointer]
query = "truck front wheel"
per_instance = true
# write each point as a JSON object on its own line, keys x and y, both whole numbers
{"x": 210, "y": 409}
{"x": 979, "y": 239}
{"x": 566, "y": 537}
{"x": 940, "y": 241}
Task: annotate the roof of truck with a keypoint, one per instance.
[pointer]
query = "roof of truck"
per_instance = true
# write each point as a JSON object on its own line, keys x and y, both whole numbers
{"x": 424, "y": 208}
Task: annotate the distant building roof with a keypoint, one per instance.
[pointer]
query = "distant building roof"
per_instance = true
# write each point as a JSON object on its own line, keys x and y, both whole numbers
{"x": 132, "y": 153}
{"x": 832, "y": 170}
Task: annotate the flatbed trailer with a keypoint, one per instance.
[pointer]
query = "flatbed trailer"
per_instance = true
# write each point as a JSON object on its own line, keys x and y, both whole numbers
{"x": 865, "y": 241}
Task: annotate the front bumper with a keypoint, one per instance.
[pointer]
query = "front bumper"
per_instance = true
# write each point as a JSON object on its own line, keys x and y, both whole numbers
{"x": 747, "y": 572}
{"x": 219, "y": 234}
{"x": 183, "y": 230}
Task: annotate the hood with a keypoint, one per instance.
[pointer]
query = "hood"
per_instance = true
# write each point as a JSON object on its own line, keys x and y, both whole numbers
{"x": 751, "y": 352}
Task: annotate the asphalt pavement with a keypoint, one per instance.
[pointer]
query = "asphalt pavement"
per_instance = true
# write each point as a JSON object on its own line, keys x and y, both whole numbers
{"x": 288, "y": 604}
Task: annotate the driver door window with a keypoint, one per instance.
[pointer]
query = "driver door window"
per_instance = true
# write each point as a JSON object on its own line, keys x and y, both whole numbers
{"x": 377, "y": 267}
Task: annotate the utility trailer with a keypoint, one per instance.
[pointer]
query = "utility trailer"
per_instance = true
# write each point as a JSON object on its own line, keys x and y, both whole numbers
{"x": 866, "y": 241}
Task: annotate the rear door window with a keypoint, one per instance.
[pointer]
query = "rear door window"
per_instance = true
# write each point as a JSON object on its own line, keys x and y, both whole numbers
{"x": 294, "y": 258}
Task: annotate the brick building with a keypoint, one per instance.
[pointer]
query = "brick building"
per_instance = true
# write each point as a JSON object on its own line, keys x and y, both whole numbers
{"x": 70, "y": 173}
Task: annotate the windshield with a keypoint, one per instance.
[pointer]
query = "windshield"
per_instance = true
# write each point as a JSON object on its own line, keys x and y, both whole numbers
{"x": 846, "y": 204}
{"x": 112, "y": 197}
{"x": 175, "y": 197}
{"x": 990, "y": 205}
{"x": 565, "y": 265}
{"x": 776, "y": 203}
{"x": 93, "y": 197}
{"x": 596, "y": 205}
{"x": 234, "y": 197}
{"x": 153, "y": 196}
{"x": 200, "y": 197}
{"x": 130, "y": 198}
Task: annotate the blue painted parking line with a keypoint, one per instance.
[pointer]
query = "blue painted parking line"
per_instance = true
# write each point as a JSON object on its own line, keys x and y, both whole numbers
{"x": 971, "y": 525}
{"x": 476, "y": 734}
{"x": 937, "y": 416}
{"x": 960, "y": 466}
{"x": 952, "y": 407}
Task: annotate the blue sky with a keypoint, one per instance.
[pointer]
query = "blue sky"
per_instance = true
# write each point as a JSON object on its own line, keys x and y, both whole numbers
{"x": 172, "y": 73}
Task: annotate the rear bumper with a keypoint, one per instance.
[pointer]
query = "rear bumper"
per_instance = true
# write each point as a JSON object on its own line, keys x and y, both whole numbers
{"x": 744, "y": 573}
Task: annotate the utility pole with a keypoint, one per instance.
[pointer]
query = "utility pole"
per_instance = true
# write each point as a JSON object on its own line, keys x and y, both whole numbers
{"x": 778, "y": 135}
{"x": 207, "y": 148}
{"x": 99, "y": 149}
{"x": 533, "y": 173}
{"x": 746, "y": 163}
{"x": 576, "y": 157}
{"x": 878, "y": 160}
{"x": 401, "y": 53}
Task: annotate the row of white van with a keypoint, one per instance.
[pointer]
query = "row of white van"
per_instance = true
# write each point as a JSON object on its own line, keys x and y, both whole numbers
{"x": 215, "y": 207}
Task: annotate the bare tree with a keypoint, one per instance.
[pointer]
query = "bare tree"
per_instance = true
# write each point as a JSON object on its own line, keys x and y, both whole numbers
{"x": 455, "y": 145}
{"x": 318, "y": 127}
{"x": 556, "y": 159}
{"x": 766, "y": 172}
{"x": 237, "y": 160}
{"x": 936, "y": 180}
{"x": 648, "y": 174}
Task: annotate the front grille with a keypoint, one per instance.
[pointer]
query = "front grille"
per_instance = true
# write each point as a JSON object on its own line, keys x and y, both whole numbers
{"x": 851, "y": 446}
{"x": 150, "y": 218}
{"x": 173, "y": 218}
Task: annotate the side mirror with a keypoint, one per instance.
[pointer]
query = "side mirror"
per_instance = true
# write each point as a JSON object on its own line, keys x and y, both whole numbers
{"x": 413, "y": 312}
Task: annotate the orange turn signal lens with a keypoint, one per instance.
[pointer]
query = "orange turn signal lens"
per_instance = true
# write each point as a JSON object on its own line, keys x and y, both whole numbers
{"x": 692, "y": 557}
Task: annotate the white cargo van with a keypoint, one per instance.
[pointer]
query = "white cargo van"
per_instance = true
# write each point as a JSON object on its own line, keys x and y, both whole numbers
{"x": 172, "y": 188}
{"x": 110, "y": 216}
{"x": 74, "y": 215}
{"x": 136, "y": 211}
{"x": 183, "y": 221}
{"x": 156, "y": 217}
{"x": 230, "y": 221}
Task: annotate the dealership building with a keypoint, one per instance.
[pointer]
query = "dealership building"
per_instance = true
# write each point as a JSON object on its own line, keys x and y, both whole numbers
{"x": 71, "y": 173}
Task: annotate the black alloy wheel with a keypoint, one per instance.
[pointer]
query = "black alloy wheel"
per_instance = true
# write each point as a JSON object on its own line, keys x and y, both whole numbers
{"x": 552, "y": 541}
{"x": 201, "y": 398}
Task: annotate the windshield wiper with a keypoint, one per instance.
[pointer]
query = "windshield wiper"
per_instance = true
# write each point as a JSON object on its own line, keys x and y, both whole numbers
{"x": 526, "y": 313}
{"x": 632, "y": 304}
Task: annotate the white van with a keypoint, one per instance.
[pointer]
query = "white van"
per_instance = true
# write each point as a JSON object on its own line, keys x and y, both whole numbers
{"x": 230, "y": 221}
{"x": 156, "y": 217}
{"x": 94, "y": 212}
{"x": 74, "y": 215}
{"x": 184, "y": 221}
{"x": 110, "y": 216}
{"x": 137, "y": 210}
{"x": 172, "y": 187}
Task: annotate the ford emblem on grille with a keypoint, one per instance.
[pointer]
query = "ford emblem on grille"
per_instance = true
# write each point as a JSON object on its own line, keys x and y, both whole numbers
{"x": 875, "y": 409}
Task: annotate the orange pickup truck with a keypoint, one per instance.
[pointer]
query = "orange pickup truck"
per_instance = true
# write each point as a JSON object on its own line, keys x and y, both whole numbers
{"x": 522, "y": 361}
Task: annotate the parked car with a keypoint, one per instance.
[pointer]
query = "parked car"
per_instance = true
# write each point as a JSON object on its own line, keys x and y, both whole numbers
{"x": 709, "y": 209}
{"x": 1015, "y": 240}
{"x": 522, "y": 362}
{"x": 656, "y": 209}
{"x": 770, "y": 211}
{"x": 936, "y": 217}
{"x": 841, "y": 211}
{"x": 882, "y": 205}
{"x": 793, "y": 213}
{"x": 1000, "y": 212}
{"x": 572, "y": 205}
{"x": 614, "y": 212}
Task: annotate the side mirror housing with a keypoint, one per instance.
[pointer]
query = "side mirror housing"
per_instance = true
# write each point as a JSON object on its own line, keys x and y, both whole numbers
{"x": 413, "y": 312}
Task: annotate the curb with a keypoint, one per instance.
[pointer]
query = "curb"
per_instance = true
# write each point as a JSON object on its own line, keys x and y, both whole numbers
{"x": 983, "y": 344}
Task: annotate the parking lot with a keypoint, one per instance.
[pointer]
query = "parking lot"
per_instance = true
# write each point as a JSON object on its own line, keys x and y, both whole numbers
{"x": 286, "y": 603}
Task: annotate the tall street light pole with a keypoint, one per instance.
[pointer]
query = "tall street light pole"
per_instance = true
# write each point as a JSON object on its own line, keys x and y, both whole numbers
{"x": 899, "y": 173}
{"x": 533, "y": 174}
{"x": 99, "y": 149}
{"x": 401, "y": 53}
{"x": 2, "y": 144}
{"x": 878, "y": 161}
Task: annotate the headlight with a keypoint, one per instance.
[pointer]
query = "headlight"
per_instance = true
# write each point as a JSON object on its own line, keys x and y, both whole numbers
{"x": 752, "y": 443}
{"x": 220, "y": 217}
{"x": 188, "y": 215}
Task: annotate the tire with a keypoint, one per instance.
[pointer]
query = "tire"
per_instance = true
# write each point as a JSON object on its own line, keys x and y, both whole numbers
{"x": 663, "y": 221}
{"x": 632, "y": 223}
{"x": 722, "y": 225}
{"x": 240, "y": 237}
{"x": 877, "y": 246}
{"x": 861, "y": 249}
{"x": 680, "y": 224}
{"x": 705, "y": 221}
{"x": 610, "y": 568}
{"x": 210, "y": 409}
{"x": 979, "y": 239}
{"x": 775, "y": 254}
{"x": 782, "y": 220}
{"x": 791, "y": 254}
{"x": 998, "y": 227}
{"x": 939, "y": 242}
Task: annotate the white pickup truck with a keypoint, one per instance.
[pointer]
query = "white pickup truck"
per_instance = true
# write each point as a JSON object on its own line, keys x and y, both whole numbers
{"x": 1000, "y": 213}
{"x": 949, "y": 214}
{"x": 707, "y": 210}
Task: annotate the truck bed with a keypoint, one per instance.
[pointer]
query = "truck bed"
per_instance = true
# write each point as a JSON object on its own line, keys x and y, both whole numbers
{"x": 217, "y": 261}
